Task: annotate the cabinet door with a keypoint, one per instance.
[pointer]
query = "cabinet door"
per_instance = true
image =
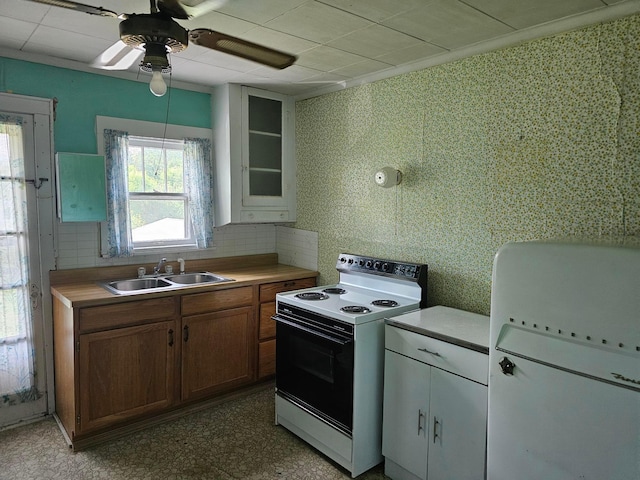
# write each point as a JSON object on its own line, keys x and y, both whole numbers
{"x": 406, "y": 413}
{"x": 265, "y": 149}
{"x": 218, "y": 351}
{"x": 125, "y": 373}
{"x": 458, "y": 417}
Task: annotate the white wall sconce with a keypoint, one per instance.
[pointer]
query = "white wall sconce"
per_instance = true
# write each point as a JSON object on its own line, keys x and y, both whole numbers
{"x": 388, "y": 177}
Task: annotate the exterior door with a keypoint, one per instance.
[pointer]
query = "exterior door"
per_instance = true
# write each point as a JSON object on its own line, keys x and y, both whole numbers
{"x": 25, "y": 174}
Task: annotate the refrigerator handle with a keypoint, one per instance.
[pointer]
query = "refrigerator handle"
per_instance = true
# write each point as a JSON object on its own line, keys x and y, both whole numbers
{"x": 507, "y": 366}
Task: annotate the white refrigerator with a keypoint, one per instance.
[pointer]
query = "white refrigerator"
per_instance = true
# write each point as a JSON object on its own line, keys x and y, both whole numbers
{"x": 564, "y": 378}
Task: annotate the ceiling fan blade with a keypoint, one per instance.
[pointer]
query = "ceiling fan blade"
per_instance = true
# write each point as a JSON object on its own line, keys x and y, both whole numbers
{"x": 172, "y": 8}
{"x": 241, "y": 48}
{"x": 80, "y": 7}
{"x": 118, "y": 56}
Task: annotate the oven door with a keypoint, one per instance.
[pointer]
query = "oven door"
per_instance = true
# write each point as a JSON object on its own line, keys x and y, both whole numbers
{"x": 314, "y": 369}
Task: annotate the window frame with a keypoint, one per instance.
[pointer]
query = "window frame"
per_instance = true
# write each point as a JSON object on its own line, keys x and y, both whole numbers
{"x": 189, "y": 240}
{"x": 152, "y": 131}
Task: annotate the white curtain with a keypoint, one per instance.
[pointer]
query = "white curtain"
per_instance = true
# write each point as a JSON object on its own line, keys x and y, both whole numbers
{"x": 17, "y": 357}
{"x": 116, "y": 151}
{"x": 199, "y": 186}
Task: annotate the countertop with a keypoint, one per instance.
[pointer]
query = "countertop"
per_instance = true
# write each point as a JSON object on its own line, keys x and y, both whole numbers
{"x": 466, "y": 329}
{"x": 87, "y": 293}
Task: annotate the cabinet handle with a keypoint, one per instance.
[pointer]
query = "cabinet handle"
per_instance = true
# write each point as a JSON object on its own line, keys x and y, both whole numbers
{"x": 185, "y": 333}
{"x": 171, "y": 337}
{"x": 435, "y": 354}
{"x": 420, "y": 416}
{"x": 435, "y": 425}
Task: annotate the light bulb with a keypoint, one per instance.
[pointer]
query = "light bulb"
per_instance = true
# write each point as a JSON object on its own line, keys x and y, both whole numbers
{"x": 157, "y": 85}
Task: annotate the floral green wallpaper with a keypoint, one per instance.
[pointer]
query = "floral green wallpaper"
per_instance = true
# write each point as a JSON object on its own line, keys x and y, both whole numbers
{"x": 534, "y": 141}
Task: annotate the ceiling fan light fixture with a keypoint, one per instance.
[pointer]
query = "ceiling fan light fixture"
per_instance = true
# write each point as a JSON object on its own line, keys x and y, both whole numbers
{"x": 155, "y": 61}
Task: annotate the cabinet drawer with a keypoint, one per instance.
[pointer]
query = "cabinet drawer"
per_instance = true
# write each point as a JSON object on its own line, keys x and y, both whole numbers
{"x": 447, "y": 356}
{"x": 121, "y": 314}
{"x": 266, "y": 358}
{"x": 218, "y": 300}
{"x": 267, "y": 325}
{"x": 268, "y": 291}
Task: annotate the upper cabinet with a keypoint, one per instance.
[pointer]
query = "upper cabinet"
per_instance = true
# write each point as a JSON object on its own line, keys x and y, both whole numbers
{"x": 254, "y": 155}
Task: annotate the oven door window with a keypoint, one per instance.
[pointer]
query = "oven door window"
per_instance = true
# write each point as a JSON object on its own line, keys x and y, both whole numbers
{"x": 316, "y": 372}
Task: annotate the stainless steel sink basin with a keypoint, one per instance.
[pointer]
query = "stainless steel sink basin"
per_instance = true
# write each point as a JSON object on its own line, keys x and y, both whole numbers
{"x": 200, "y": 277}
{"x": 138, "y": 284}
{"x": 153, "y": 284}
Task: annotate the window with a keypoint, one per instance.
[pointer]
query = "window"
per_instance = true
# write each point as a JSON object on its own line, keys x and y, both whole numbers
{"x": 159, "y": 186}
{"x": 158, "y": 204}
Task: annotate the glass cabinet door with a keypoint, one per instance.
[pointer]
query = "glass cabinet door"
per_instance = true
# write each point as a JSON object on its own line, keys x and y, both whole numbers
{"x": 263, "y": 179}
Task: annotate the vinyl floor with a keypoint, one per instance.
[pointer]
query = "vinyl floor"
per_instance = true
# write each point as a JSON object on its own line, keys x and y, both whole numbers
{"x": 233, "y": 440}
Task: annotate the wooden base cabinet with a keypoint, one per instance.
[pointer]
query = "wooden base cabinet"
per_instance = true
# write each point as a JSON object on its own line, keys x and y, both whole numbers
{"x": 434, "y": 421}
{"x": 267, "y": 327}
{"x": 125, "y": 373}
{"x": 217, "y": 352}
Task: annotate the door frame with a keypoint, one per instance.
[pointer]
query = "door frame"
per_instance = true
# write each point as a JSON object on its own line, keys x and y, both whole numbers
{"x": 42, "y": 110}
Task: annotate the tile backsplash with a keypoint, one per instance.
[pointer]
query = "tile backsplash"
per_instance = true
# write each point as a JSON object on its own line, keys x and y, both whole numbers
{"x": 78, "y": 246}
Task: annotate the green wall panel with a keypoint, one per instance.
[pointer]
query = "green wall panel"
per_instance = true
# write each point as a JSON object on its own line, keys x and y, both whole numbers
{"x": 530, "y": 142}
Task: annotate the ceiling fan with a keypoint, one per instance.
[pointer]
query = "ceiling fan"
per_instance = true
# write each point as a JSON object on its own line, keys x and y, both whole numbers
{"x": 157, "y": 34}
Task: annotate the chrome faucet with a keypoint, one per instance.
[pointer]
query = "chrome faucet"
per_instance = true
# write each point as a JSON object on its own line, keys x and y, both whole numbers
{"x": 156, "y": 269}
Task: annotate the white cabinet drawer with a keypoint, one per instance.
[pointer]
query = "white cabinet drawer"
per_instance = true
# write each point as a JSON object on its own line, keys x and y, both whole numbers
{"x": 446, "y": 356}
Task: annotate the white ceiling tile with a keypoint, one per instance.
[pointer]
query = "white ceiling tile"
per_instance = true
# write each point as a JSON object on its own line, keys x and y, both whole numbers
{"x": 26, "y": 11}
{"x": 259, "y": 12}
{"x": 294, "y": 73}
{"x": 375, "y": 10}
{"x": 15, "y": 32}
{"x": 336, "y": 40}
{"x": 79, "y": 22}
{"x": 327, "y": 58}
{"x": 361, "y": 68}
{"x": 278, "y": 40}
{"x": 525, "y": 13}
{"x": 219, "y": 22}
{"x": 411, "y": 54}
{"x": 191, "y": 71}
{"x": 448, "y": 24}
{"x": 317, "y": 22}
{"x": 374, "y": 41}
{"x": 64, "y": 44}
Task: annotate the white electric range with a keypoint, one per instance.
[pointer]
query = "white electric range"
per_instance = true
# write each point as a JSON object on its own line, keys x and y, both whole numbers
{"x": 330, "y": 355}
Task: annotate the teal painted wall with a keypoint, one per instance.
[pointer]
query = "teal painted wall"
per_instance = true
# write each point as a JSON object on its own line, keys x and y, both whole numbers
{"x": 81, "y": 96}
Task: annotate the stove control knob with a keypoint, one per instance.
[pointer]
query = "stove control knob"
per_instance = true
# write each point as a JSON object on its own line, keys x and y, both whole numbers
{"x": 350, "y": 261}
{"x": 385, "y": 267}
{"x": 343, "y": 259}
{"x": 361, "y": 262}
{"x": 377, "y": 265}
{"x": 369, "y": 263}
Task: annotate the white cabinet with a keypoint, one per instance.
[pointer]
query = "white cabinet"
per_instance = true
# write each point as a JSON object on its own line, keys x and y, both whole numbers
{"x": 254, "y": 155}
{"x": 434, "y": 425}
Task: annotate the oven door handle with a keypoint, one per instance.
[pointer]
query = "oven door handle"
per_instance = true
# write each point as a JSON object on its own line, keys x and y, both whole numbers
{"x": 340, "y": 341}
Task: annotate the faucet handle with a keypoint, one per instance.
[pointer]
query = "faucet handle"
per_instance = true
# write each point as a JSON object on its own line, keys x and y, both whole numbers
{"x": 141, "y": 272}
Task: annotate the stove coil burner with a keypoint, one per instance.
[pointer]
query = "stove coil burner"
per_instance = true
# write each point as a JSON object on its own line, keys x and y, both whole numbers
{"x": 355, "y": 309}
{"x": 335, "y": 290}
{"x": 385, "y": 303}
{"x": 312, "y": 296}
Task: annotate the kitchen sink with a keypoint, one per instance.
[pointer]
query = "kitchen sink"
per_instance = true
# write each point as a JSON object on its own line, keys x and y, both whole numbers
{"x": 200, "y": 277}
{"x": 160, "y": 283}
